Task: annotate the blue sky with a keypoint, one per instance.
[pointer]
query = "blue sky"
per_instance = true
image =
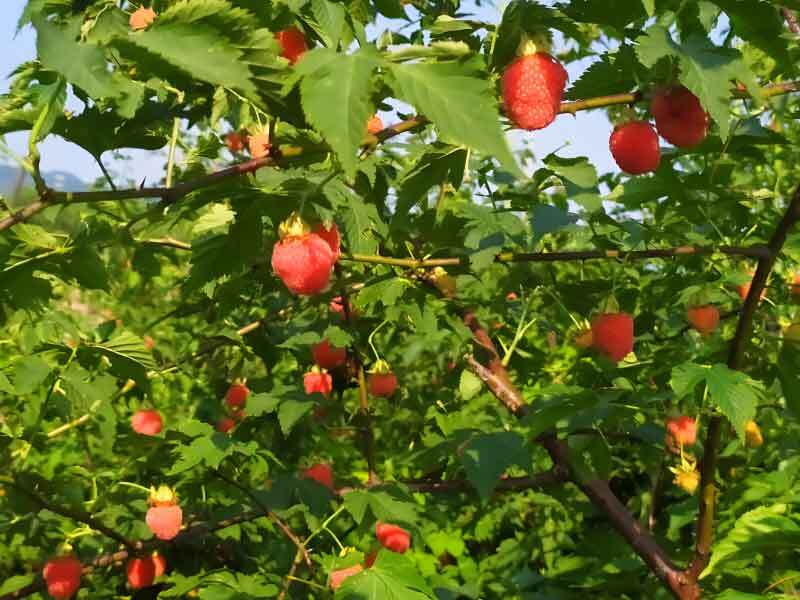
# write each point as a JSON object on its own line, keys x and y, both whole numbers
{"x": 585, "y": 134}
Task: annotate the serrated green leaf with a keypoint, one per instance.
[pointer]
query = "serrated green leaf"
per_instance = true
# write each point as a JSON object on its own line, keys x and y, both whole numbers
{"x": 291, "y": 411}
{"x": 335, "y": 90}
{"x": 736, "y": 395}
{"x": 456, "y": 97}
{"x": 329, "y": 18}
{"x": 29, "y": 373}
{"x": 685, "y": 378}
{"x": 469, "y": 385}
{"x": 385, "y": 505}
{"x": 486, "y": 457}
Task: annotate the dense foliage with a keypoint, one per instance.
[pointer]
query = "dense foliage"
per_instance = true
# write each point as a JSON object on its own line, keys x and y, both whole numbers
{"x": 520, "y": 459}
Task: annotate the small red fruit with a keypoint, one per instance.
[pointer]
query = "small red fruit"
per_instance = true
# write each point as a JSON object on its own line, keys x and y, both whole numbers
{"x": 259, "y": 145}
{"x": 680, "y": 118}
{"x": 142, "y": 18}
{"x": 393, "y": 537}
{"x": 511, "y": 296}
{"x": 533, "y": 86}
{"x": 236, "y": 396}
{"x": 327, "y": 356}
{"x": 62, "y": 576}
{"x": 225, "y": 424}
{"x": 301, "y": 259}
{"x": 164, "y": 517}
{"x": 795, "y": 286}
{"x": 634, "y": 146}
{"x": 681, "y": 431}
{"x": 374, "y": 125}
{"x": 321, "y": 473}
{"x": 382, "y": 384}
{"x": 331, "y": 236}
{"x": 293, "y": 44}
{"x": 338, "y": 577}
{"x": 752, "y": 435}
{"x": 744, "y": 289}
{"x": 584, "y": 339}
{"x": 235, "y": 141}
{"x": 149, "y": 342}
{"x": 317, "y": 381}
{"x": 703, "y": 318}
{"x": 141, "y": 572}
{"x": 160, "y": 564}
{"x": 612, "y": 335}
{"x": 147, "y": 422}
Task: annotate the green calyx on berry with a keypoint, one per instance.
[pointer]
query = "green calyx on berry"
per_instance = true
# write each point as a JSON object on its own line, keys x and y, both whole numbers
{"x": 381, "y": 367}
{"x": 293, "y": 226}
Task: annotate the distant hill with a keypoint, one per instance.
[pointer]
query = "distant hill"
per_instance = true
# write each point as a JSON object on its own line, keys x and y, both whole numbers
{"x": 59, "y": 180}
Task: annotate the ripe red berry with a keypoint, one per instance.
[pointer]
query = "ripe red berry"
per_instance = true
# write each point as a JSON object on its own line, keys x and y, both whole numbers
{"x": 532, "y": 89}
{"x": 147, "y": 422}
{"x": 327, "y": 356}
{"x": 703, "y": 318}
{"x": 317, "y": 381}
{"x": 612, "y": 335}
{"x": 236, "y": 396}
{"x": 338, "y": 576}
{"x": 259, "y": 145}
{"x": 634, "y": 146}
{"x": 795, "y": 286}
{"x": 393, "y": 537}
{"x": 141, "y": 572}
{"x": 680, "y": 118}
{"x": 142, "y": 18}
{"x": 744, "y": 289}
{"x": 160, "y": 564}
{"x": 164, "y": 517}
{"x": 62, "y": 576}
{"x": 321, "y": 473}
{"x": 235, "y": 141}
{"x": 331, "y": 236}
{"x": 374, "y": 125}
{"x": 301, "y": 259}
{"x": 293, "y": 44}
{"x": 382, "y": 384}
{"x": 225, "y": 424}
{"x": 681, "y": 431}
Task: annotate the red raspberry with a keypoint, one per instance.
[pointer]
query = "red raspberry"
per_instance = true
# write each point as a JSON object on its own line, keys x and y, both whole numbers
{"x": 681, "y": 431}
{"x": 392, "y": 537}
{"x": 225, "y": 424}
{"x": 164, "y": 517}
{"x": 327, "y": 356}
{"x": 141, "y": 572}
{"x": 303, "y": 260}
{"x": 62, "y": 576}
{"x": 317, "y": 381}
{"x": 293, "y": 44}
{"x": 337, "y": 306}
{"x": 612, "y": 335}
{"x": 321, "y": 473}
{"x": 795, "y": 286}
{"x": 382, "y": 384}
{"x": 147, "y": 422}
{"x": 634, "y": 146}
{"x": 532, "y": 89}
{"x": 142, "y": 18}
{"x": 149, "y": 342}
{"x": 331, "y": 236}
{"x": 235, "y": 141}
{"x": 259, "y": 145}
{"x": 338, "y": 577}
{"x": 680, "y": 118}
{"x": 160, "y": 564}
{"x": 236, "y": 396}
{"x": 703, "y": 318}
{"x": 374, "y": 125}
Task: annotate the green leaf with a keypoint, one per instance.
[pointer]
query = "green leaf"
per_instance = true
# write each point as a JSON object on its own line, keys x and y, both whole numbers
{"x": 53, "y": 97}
{"x": 29, "y": 373}
{"x": 129, "y": 357}
{"x": 200, "y": 51}
{"x": 84, "y": 65}
{"x": 392, "y": 577}
{"x": 35, "y": 236}
{"x": 469, "y": 385}
{"x": 335, "y": 91}
{"x": 16, "y": 582}
{"x": 457, "y": 98}
{"x": 767, "y": 531}
{"x": 685, "y": 378}
{"x": 486, "y": 457}
{"x": 736, "y": 395}
{"x": 259, "y": 404}
{"x": 330, "y": 21}
{"x": 385, "y": 504}
{"x": 291, "y": 411}
{"x": 789, "y": 374}
{"x": 546, "y": 219}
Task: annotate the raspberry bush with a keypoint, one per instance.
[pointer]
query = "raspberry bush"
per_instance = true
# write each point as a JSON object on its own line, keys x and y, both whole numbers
{"x": 356, "y": 344}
